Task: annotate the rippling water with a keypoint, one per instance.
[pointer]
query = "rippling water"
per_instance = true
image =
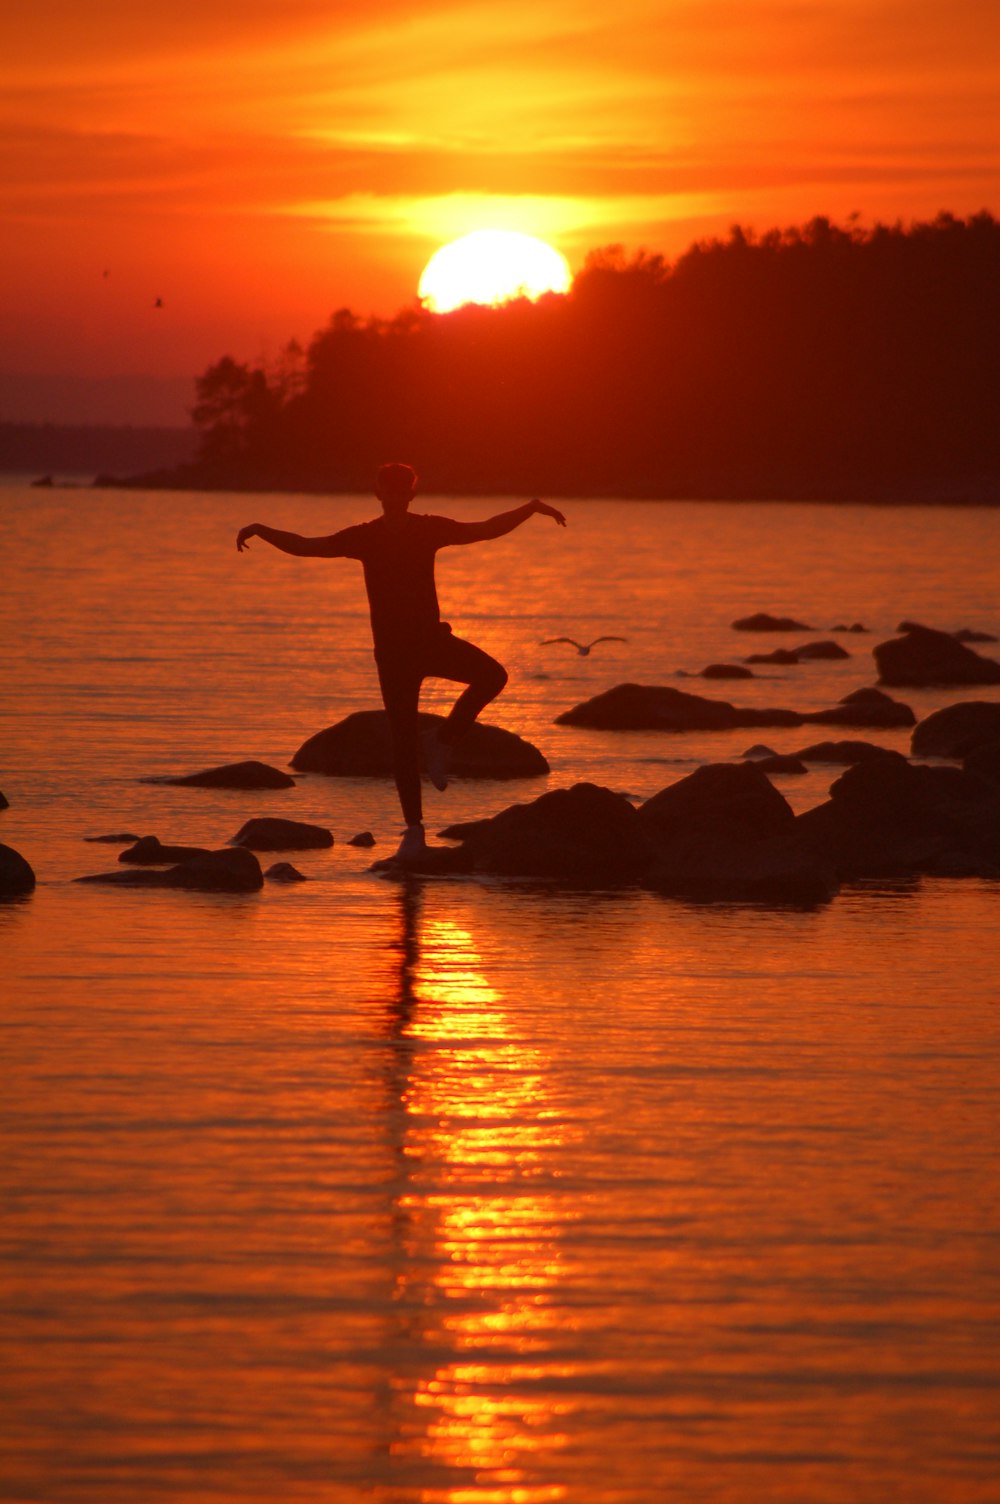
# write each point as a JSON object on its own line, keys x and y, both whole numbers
{"x": 476, "y": 1193}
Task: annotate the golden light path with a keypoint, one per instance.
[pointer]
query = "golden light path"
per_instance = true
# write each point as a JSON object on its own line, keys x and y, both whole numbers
{"x": 477, "y": 1292}
{"x": 492, "y": 266}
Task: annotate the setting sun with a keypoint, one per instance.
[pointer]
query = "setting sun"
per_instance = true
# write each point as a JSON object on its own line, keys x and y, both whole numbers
{"x": 490, "y": 266}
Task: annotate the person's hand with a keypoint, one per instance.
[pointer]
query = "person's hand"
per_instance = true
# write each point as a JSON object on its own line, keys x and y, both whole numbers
{"x": 244, "y": 535}
{"x": 544, "y": 510}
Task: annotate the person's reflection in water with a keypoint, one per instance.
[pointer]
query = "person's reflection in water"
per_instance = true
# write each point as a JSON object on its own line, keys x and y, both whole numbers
{"x": 477, "y": 1228}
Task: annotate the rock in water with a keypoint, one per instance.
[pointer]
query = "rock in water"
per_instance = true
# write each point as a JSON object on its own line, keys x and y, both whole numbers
{"x": 820, "y": 650}
{"x": 726, "y": 671}
{"x": 268, "y": 834}
{"x": 846, "y": 752}
{"x": 957, "y": 729}
{"x": 226, "y": 871}
{"x": 762, "y": 621}
{"x": 784, "y": 656}
{"x": 865, "y": 707}
{"x": 358, "y": 747}
{"x": 923, "y": 657}
{"x": 735, "y": 798}
{"x": 584, "y": 834}
{"x": 4, "y": 803}
{"x": 16, "y": 876}
{"x": 363, "y": 838}
{"x": 284, "y": 872}
{"x": 120, "y": 838}
{"x": 233, "y": 775}
{"x": 652, "y": 707}
{"x": 148, "y": 851}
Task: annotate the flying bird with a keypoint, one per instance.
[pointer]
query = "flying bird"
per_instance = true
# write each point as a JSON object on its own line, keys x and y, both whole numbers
{"x": 583, "y": 648}
{"x": 158, "y": 303}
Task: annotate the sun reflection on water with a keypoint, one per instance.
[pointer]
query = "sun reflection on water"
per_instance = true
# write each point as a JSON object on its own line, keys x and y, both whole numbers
{"x": 480, "y": 1217}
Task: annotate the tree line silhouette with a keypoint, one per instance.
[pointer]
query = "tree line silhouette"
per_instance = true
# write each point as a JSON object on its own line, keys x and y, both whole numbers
{"x": 819, "y": 361}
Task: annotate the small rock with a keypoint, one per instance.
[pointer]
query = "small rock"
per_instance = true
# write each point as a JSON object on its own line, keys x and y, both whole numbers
{"x": 149, "y": 852}
{"x": 820, "y": 650}
{"x": 785, "y": 656}
{"x": 726, "y": 671}
{"x": 969, "y": 634}
{"x": 762, "y": 621}
{"x": 781, "y": 763}
{"x": 653, "y": 707}
{"x": 284, "y": 872}
{"x": 123, "y": 838}
{"x": 855, "y": 626}
{"x": 16, "y": 876}
{"x": 846, "y": 752}
{"x": 269, "y": 834}
{"x": 363, "y": 838}
{"x": 3, "y": 802}
{"x": 225, "y": 871}
{"x": 759, "y": 750}
{"x": 233, "y": 775}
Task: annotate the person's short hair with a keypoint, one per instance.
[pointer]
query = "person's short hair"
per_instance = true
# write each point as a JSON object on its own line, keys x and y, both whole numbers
{"x": 395, "y": 482}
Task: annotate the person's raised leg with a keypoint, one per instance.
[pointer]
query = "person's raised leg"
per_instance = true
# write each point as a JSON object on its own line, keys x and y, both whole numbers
{"x": 484, "y": 679}
{"x": 400, "y": 685}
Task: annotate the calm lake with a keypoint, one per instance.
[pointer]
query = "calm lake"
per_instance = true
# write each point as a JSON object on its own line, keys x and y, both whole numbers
{"x": 473, "y": 1192}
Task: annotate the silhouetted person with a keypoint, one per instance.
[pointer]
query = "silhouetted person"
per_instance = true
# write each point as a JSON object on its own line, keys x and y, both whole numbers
{"x": 412, "y": 643}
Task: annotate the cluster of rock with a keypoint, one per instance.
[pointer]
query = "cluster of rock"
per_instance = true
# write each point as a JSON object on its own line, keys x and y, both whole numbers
{"x": 763, "y": 621}
{"x": 726, "y": 833}
{"x": 651, "y": 707}
{"x": 231, "y": 870}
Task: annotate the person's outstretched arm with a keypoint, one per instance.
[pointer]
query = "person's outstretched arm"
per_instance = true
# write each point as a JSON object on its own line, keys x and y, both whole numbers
{"x": 504, "y": 522}
{"x": 332, "y": 547}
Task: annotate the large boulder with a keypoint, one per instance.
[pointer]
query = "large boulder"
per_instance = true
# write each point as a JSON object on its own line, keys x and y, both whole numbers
{"x": 359, "y": 747}
{"x": 964, "y": 634}
{"x": 820, "y": 650}
{"x": 923, "y": 657}
{"x": 957, "y": 729}
{"x": 983, "y": 762}
{"x": 736, "y": 799}
{"x": 269, "y": 834}
{"x": 16, "y": 876}
{"x": 585, "y": 834}
{"x": 652, "y": 707}
{"x": 232, "y": 870}
{"x": 888, "y": 817}
{"x": 784, "y": 656}
{"x": 233, "y": 775}
{"x": 724, "y": 832}
{"x": 149, "y": 851}
{"x": 762, "y": 621}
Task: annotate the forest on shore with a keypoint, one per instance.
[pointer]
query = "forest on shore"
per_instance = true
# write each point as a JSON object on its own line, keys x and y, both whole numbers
{"x": 820, "y": 361}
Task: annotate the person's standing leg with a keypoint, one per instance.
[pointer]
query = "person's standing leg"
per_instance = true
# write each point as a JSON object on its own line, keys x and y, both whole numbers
{"x": 400, "y": 684}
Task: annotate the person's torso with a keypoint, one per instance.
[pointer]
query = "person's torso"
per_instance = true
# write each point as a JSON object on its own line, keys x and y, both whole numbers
{"x": 398, "y": 560}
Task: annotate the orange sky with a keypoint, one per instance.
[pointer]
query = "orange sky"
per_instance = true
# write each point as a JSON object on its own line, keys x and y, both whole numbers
{"x": 257, "y": 163}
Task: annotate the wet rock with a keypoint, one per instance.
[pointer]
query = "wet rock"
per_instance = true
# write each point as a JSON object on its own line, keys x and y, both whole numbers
{"x": 783, "y": 656}
{"x": 923, "y": 657}
{"x": 736, "y": 798}
{"x": 855, "y": 626}
{"x": 233, "y": 775}
{"x": 581, "y": 835}
{"x": 820, "y": 650}
{"x": 964, "y": 634}
{"x": 4, "y": 803}
{"x": 969, "y": 634}
{"x": 724, "y": 832}
{"x": 284, "y": 872}
{"x": 227, "y": 871}
{"x": 726, "y": 671}
{"x": 463, "y": 829}
{"x": 121, "y": 838}
{"x": 269, "y": 834}
{"x": 649, "y": 707}
{"x": 762, "y": 621}
{"x": 16, "y": 876}
{"x": 984, "y": 762}
{"x": 846, "y": 752}
{"x": 865, "y": 707}
{"x": 781, "y": 763}
{"x": 889, "y": 817}
{"x": 363, "y": 838}
{"x": 759, "y": 749}
{"x": 957, "y": 729}
{"x": 358, "y": 747}
{"x": 148, "y": 851}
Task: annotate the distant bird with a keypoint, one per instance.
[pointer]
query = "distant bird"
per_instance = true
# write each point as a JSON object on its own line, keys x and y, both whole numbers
{"x": 106, "y": 272}
{"x": 158, "y": 303}
{"x": 582, "y": 648}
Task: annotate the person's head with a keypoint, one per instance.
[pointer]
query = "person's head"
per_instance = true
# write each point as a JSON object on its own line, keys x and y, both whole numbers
{"x": 394, "y": 487}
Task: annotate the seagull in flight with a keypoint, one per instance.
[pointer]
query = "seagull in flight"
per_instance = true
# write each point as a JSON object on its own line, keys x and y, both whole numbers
{"x": 583, "y": 648}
